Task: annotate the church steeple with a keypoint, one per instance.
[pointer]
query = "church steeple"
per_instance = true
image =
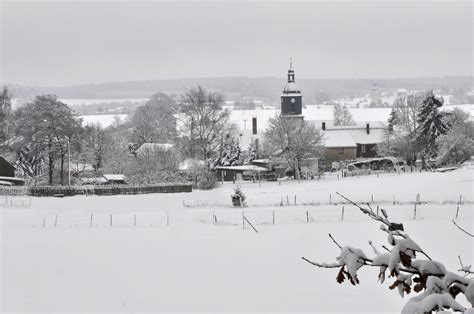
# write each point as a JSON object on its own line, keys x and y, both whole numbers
{"x": 291, "y": 73}
{"x": 291, "y": 98}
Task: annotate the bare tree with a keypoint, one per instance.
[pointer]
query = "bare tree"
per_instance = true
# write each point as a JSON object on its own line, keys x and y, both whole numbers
{"x": 155, "y": 122}
{"x": 202, "y": 121}
{"x": 342, "y": 116}
{"x": 295, "y": 140}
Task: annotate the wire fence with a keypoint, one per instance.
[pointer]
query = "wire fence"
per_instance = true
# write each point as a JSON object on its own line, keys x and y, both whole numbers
{"x": 239, "y": 217}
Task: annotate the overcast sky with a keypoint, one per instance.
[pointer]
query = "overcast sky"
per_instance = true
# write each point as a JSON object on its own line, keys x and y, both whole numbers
{"x": 63, "y": 43}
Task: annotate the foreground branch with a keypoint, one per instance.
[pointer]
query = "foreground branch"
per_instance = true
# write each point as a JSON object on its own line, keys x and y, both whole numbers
{"x": 469, "y": 234}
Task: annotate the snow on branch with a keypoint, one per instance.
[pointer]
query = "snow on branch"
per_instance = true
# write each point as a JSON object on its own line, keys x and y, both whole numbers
{"x": 437, "y": 287}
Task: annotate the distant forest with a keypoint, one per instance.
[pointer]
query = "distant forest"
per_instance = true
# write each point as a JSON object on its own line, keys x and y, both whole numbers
{"x": 236, "y": 88}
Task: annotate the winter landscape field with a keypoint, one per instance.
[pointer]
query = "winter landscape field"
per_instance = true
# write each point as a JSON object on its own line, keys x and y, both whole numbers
{"x": 190, "y": 252}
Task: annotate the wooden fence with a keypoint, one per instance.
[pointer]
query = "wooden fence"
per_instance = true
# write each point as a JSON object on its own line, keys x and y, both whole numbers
{"x": 95, "y": 190}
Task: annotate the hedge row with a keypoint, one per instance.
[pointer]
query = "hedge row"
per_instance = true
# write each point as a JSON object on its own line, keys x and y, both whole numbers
{"x": 95, "y": 190}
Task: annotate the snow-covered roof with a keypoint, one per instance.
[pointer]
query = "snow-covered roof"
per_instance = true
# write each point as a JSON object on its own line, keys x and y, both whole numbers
{"x": 114, "y": 177}
{"x": 261, "y": 161}
{"x": 338, "y": 138}
{"x": 358, "y": 126}
{"x": 291, "y": 87}
{"x": 361, "y": 137}
{"x": 243, "y": 168}
{"x": 98, "y": 180}
{"x": 351, "y": 137}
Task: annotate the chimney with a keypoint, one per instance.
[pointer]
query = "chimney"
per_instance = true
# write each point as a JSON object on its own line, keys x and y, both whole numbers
{"x": 390, "y": 128}
{"x": 323, "y": 127}
{"x": 254, "y": 125}
{"x": 367, "y": 128}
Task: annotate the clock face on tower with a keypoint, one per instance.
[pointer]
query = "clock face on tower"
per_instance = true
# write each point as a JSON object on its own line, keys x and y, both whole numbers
{"x": 292, "y": 100}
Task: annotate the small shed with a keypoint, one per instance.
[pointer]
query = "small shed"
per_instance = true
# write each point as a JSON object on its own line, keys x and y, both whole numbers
{"x": 233, "y": 173}
{"x": 115, "y": 178}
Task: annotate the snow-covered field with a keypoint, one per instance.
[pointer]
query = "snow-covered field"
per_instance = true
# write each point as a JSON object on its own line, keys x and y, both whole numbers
{"x": 243, "y": 118}
{"x": 189, "y": 252}
{"x": 104, "y": 120}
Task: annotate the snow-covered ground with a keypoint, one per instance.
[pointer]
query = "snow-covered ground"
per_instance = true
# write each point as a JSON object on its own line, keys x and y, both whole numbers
{"x": 92, "y": 101}
{"x": 104, "y": 120}
{"x": 243, "y": 118}
{"x": 189, "y": 252}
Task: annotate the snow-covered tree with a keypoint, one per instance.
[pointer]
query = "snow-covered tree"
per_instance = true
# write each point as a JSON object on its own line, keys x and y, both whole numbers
{"x": 294, "y": 140}
{"x": 401, "y": 142}
{"x": 202, "y": 122}
{"x": 227, "y": 154}
{"x": 431, "y": 124}
{"x": 457, "y": 145}
{"x": 155, "y": 121}
{"x": 437, "y": 287}
{"x": 342, "y": 116}
{"x": 251, "y": 154}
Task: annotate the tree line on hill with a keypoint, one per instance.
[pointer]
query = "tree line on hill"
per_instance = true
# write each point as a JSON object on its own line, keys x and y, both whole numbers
{"x": 315, "y": 91}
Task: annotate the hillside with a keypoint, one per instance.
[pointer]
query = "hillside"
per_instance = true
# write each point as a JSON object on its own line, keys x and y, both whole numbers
{"x": 267, "y": 88}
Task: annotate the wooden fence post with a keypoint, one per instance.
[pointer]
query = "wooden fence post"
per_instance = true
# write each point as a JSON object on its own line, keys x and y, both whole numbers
{"x": 111, "y": 220}
{"x": 329, "y": 198}
{"x": 90, "y": 223}
{"x": 414, "y": 212}
{"x": 56, "y": 221}
{"x": 134, "y": 221}
{"x": 273, "y": 217}
{"x": 44, "y": 222}
{"x": 307, "y": 216}
{"x": 342, "y": 214}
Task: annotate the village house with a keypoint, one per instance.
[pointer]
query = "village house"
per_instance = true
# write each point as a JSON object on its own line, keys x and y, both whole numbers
{"x": 350, "y": 142}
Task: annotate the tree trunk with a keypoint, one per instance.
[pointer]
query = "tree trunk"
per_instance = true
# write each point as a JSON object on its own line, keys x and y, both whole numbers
{"x": 51, "y": 163}
{"x": 62, "y": 169}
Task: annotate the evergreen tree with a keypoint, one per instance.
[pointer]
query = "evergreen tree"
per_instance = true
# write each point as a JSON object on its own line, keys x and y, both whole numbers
{"x": 393, "y": 119}
{"x": 251, "y": 154}
{"x": 431, "y": 124}
{"x": 227, "y": 154}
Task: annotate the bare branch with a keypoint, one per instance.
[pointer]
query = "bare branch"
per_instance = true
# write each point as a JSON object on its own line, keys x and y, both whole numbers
{"x": 469, "y": 234}
{"x": 466, "y": 269}
{"x": 335, "y": 241}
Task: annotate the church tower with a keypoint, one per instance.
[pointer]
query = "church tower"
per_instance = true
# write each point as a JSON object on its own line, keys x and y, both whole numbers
{"x": 375, "y": 96}
{"x": 291, "y": 98}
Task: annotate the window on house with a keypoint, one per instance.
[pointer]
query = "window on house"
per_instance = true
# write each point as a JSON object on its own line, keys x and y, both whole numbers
{"x": 340, "y": 150}
{"x": 362, "y": 149}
